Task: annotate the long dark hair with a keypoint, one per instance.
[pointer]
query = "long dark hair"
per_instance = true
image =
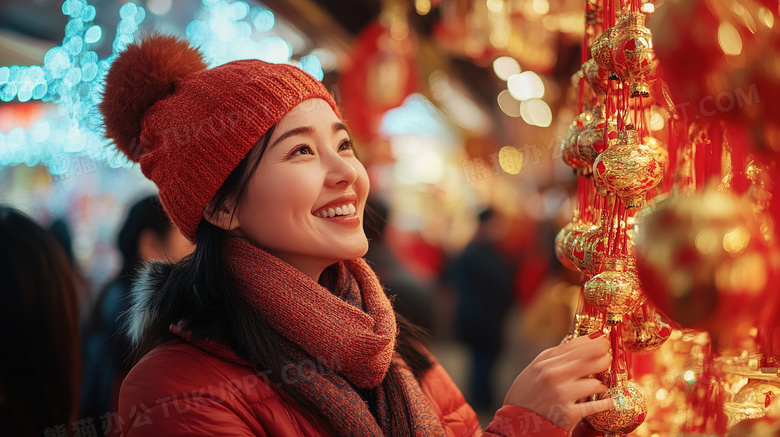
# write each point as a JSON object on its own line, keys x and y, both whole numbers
{"x": 40, "y": 364}
{"x": 202, "y": 291}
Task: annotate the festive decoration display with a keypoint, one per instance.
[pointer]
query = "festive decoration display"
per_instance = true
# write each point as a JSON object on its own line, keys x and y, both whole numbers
{"x": 676, "y": 234}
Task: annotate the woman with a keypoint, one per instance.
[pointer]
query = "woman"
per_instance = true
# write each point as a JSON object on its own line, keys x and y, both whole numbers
{"x": 39, "y": 348}
{"x": 275, "y": 325}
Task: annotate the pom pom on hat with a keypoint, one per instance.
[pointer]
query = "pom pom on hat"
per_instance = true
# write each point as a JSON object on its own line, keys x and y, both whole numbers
{"x": 188, "y": 126}
{"x": 139, "y": 77}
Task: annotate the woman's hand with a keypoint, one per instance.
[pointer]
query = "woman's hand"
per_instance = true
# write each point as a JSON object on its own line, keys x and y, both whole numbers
{"x": 553, "y": 383}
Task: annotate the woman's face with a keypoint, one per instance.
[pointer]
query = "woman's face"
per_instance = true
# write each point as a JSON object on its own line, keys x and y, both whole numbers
{"x": 305, "y": 202}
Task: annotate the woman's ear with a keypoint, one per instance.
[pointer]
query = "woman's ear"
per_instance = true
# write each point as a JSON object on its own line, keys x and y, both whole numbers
{"x": 223, "y": 217}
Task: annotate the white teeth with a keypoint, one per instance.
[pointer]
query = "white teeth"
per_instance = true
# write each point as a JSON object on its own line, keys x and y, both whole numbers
{"x": 339, "y": 210}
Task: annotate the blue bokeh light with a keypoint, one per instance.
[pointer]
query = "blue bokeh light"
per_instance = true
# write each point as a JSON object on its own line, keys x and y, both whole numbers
{"x": 93, "y": 34}
{"x": 72, "y": 74}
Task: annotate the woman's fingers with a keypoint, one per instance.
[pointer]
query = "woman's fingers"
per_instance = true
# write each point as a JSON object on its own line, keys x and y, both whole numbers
{"x": 584, "y": 387}
{"x": 583, "y": 367}
{"x": 579, "y": 348}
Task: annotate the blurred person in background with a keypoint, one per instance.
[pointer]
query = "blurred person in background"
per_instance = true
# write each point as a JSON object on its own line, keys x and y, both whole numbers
{"x": 39, "y": 345}
{"x": 146, "y": 235}
{"x": 413, "y": 297}
{"x": 482, "y": 278}
{"x": 61, "y": 229}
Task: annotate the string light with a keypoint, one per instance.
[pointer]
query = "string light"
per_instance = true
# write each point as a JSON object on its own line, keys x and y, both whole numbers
{"x": 72, "y": 74}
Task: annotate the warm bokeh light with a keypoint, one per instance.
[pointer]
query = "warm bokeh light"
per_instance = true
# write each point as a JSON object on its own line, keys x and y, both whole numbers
{"x": 729, "y": 39}
{"x": 508, "y": 104}
{"x": 510, "y": 159}
{"x": 541, "y": 7}
{"x": 766, "y": 17}
{"x": 536, "y": 112}
{"x": 526, "y": 85}
{"x": 422, "y": 6}
{"x": 505, "y": 67}
{"x": 657, "y": 120}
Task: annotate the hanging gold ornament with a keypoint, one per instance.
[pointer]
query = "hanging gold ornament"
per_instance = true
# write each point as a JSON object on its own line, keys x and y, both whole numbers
{"x": 569, "y": 150}
{"x": 601, "y": 52}
{"x": 592, "y": 141}
{"x": 633, "y": 58}
{"x": 583, "y": 325}
{"x": 616, "y": 291}
{"x": 596, "y": 76}
{"x": 567, "y": 238}
{"x": 626, "y": 415}
{"x": 645, "y": 331}
{"x": 629, "y": 169}
{"x": 588, "y": 251}
{"x": 560, "y": 253}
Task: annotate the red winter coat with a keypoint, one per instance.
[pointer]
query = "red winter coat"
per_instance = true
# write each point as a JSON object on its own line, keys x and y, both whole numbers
{"x": 189, "y": 388}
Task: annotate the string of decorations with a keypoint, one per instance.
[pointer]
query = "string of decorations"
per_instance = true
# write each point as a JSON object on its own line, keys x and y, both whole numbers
{"x": 663, "y": 233}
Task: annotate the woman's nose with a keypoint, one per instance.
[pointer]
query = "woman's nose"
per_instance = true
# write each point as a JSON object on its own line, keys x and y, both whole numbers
{"x": 340, "y": 170}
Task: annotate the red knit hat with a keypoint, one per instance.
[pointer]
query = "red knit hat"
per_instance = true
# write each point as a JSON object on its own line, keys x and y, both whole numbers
{"x": 189, "y": 127}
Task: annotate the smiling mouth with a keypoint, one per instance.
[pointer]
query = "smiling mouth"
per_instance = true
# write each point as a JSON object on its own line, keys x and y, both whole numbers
{"x": 343, "y": 210}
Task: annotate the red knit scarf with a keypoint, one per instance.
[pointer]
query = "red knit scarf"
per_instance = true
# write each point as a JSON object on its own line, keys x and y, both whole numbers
{"x": 347, "y": 322}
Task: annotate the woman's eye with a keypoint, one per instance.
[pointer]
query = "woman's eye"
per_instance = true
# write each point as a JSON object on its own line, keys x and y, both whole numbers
{"x": 302, "y": 150}
{"x": 346, "y": 145}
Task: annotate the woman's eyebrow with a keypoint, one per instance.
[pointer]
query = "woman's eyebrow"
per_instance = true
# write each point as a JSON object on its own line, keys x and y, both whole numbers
{"x": 339, "y": 126}
{"x": 292, "y": 132}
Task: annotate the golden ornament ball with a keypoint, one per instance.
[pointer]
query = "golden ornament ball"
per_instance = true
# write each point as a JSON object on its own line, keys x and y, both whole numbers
{"x": 601, "y": 52}
{"x": 588, "y": 251}
{"x": 628, "y": 413}
{"x": 633, "y": 58}
{"x": 560, "y": 253}
{"x": 629, "y": 169}
{"x": 596, "y": 76}
{"x": 616, "y": 291}
{"x": 644, "y": 333}
{"x": 703, "y": 261}
{"x": 569, "y": 150}
{"x": 596, "y": 137}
